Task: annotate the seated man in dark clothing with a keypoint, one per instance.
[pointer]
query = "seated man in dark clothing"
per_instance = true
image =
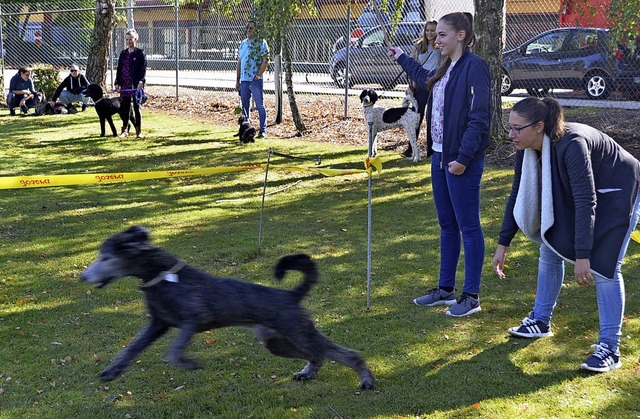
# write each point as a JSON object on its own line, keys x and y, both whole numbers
{"x": 71, "y": 88}
{"x": 21, "y": 91}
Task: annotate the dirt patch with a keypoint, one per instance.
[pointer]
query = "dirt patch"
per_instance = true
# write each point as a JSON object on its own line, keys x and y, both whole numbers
{"x": 324, "y": 119}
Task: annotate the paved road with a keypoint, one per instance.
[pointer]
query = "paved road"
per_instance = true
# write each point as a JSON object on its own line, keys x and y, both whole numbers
{"x": 323, "y": 84}
{"x": 315, "y": 83}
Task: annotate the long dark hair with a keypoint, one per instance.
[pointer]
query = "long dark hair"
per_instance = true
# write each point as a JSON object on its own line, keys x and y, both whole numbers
{"x": 422, "y": 43}
{"x": 460, "y": 21}
{"x": 547, "y": 110}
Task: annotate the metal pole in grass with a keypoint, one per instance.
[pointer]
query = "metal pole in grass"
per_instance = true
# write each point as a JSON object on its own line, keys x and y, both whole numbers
{"x": 369, "y": 220}
{"x": 264, "y": 192}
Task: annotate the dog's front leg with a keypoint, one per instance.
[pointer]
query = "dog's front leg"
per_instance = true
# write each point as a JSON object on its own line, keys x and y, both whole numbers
{"x": 145, "y": 338}
{"x": 102, "y": 125}
{"x": 177, "y": 349}
{"x": 413, "y": 141}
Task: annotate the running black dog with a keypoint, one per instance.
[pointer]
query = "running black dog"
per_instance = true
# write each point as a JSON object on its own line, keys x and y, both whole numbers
{"x": 246, "y": 133}
{"x": 181, "y": 296}
{"x": 107, "y": 107}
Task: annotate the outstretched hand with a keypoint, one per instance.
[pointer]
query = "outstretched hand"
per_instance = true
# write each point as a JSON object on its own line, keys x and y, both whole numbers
{"x": 394, "y": 52}
{"x": 498, "y": 261}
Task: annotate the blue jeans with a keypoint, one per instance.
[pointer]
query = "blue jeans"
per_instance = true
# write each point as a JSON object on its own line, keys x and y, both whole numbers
{"x": 68, "y": 98}
{"x": 457, "y": 200}
{"x": 609, "y": 292}
{"x": 253, "y": 88}
{"x": 13, "y": 101}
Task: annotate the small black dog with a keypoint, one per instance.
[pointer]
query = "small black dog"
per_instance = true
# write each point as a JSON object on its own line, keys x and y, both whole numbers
{"x": 106, "y": 108}
{"x": 246, "y": 133}
{"x": 181, "y": 296}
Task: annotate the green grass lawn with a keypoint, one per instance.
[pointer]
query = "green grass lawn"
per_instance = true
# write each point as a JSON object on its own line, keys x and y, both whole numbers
{"x": 57, "y": 334}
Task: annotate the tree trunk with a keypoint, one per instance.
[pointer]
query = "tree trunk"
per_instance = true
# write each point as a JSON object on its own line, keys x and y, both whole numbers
{"x": 98, "y": 58}
{"x": 295, "y": 113}
{"x": 488, "y": 25}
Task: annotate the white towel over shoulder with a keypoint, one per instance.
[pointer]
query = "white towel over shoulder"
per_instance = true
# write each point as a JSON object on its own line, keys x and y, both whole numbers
{"x": 533, "y": 210}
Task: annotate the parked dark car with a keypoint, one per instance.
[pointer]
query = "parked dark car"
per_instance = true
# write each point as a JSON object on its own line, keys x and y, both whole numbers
{"x": 368, "y": 60}
{"x": 569, "y": 58}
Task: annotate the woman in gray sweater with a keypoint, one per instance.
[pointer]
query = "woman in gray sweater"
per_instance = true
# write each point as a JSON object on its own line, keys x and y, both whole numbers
{"x": 576, "y": 192}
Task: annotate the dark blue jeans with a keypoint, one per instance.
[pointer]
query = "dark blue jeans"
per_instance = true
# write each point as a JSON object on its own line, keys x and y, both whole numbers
{"x": 457, "y": 199}
{"x": 253, "y": 88}
{"x": 13, "y": 101}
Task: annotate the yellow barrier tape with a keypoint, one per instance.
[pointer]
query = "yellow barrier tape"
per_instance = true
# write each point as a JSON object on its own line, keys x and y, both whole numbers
{"x": 373, "y": 163}
{"x": 25, "y": 182}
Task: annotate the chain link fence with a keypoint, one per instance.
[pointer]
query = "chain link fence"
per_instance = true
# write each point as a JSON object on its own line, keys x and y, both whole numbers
{"x": 194, "y": 46}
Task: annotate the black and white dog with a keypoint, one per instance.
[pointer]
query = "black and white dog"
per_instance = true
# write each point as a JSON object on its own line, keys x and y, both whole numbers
{"x": 383, "y": 119}
{"x": 181, "y": 296}
{"x": 246, "y": 133}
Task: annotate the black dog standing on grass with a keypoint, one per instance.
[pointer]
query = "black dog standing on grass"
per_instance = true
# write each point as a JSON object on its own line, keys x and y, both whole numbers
{"x": 194, "y": 301}
{"x": 107, "y": 107}
{"x": 246, "y": 133}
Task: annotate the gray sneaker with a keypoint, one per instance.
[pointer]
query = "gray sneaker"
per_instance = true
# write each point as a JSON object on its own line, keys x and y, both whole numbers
{"x": 466, "y": 305}
{"x": 436, "y": 297}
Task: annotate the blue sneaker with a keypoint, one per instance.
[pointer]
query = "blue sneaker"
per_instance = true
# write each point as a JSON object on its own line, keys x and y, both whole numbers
{"x": 603, "y": 359}
{"x": 466, "y": 305}
{"x": 531, "y": 328}
{"x": 436, "y": 297}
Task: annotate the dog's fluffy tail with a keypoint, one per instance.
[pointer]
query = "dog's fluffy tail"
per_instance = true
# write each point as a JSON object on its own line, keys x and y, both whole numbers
{"x": 410, "y": 101}
{"x": 302, "y": 263}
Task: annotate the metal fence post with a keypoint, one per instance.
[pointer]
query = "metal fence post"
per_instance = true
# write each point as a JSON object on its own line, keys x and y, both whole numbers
{"x": 347, "y": 38}
{"x": 277, "y": 79}
{"x": 176, "y": 47}
{"x": 369, "y": 214}
{"x": 264, "y": 193}
{"x": 2, "y": 46}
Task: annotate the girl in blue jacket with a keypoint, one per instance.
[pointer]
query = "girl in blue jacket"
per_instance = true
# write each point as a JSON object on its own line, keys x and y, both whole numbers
{"x": 458, "y": 123}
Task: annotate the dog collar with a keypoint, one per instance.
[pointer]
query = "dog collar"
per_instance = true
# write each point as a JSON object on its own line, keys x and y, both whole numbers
{"x": 169, "y": 275}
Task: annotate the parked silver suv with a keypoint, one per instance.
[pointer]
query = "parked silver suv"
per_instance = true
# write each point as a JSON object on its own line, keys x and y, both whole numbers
{"x": 368, "y": 60}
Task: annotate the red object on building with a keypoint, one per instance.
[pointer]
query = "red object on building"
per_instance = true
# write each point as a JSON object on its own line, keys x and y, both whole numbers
{"x": 37, "y": 37}
{"x": 356, "y": 34}
{"x": 577, "y": 13}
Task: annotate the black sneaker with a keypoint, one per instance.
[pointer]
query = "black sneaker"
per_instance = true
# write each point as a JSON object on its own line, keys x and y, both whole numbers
{"x": 603, "y": 359}
{"x": 12, "y": 112}
{"x": 261, "y": 135}
{"x": 531, "y": 328}
{"x": 84, "y": 107}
